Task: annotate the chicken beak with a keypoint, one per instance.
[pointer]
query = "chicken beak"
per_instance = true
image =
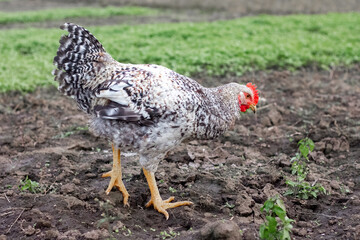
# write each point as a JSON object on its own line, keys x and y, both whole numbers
{"x": 253, "y": 107}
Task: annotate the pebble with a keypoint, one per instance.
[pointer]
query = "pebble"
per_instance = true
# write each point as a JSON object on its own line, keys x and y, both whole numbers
{"x": 222, "y": 229}
{"x": 335, "y": 185}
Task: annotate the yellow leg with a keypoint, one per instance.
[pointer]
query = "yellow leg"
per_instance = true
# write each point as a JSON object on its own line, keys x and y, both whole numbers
{"x": 116, "y": 176}
{"x": 156, "y": 200}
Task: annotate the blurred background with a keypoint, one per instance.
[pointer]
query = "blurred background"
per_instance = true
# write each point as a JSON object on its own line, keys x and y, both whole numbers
{"x": 234, "y": 6}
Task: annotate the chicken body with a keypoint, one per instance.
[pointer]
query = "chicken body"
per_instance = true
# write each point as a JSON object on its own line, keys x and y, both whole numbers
{"x": 172, "y": 108}
{"x": 146, "y": 109}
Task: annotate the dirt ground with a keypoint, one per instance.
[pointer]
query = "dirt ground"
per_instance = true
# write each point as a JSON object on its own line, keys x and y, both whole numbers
{"x": 44, "y": 136}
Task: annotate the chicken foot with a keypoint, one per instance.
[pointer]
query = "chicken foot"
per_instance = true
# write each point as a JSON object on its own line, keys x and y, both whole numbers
{"x": 156, "y": 200}
{"x": 116, "y": 176}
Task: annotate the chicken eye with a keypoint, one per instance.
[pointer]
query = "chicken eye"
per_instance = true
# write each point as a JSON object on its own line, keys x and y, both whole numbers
{"x": 248, "y": 96}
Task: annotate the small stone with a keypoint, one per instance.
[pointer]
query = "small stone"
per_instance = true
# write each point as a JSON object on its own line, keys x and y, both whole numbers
{"x": 91, "y": 175}
{"x": 222, "y": 229}
{"x": 68, "y": 188}
{"x": 9, "y": 193}
{"x": 324, "y": 124}
{"x": 350, "y": 184}
{"x": 266, "y": 122}
{"x": 76, "y": 181}
{"x": 357, "y": 230}
{"x": 70, "y": 235}
{"x": 332, "y": 222}
{"x": 29, "y": 230}
{"x": 284, "y": 161}
{"x": 2, "y": 237}
{"x": 244, "y": 210}
{"x": 335, "y": 185}
{"x": 275, "y": 117}
{"x": 355, "y": 202}
{"x": 304, "y": 224}
{"x": 93, "y": 235}
{"x": 43, "y": 223}
{"x": 301, "y": 232}
{"x": 51, "y": 234}
{"x": 226, "y": 211}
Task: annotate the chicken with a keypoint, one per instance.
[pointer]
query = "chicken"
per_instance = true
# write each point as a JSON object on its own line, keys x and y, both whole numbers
{"x": 146, "y": 109}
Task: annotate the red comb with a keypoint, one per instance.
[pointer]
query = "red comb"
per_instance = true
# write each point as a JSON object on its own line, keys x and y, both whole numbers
{"x": 255, "y": 92}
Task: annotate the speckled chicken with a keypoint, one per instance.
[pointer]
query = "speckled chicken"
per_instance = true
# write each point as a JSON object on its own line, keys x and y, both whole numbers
{"x": 146, "y": 109}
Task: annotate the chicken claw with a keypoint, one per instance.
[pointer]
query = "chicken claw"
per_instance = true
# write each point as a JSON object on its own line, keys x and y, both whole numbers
{"x": 116, "y": 176}
{"x": 156, "y": 200}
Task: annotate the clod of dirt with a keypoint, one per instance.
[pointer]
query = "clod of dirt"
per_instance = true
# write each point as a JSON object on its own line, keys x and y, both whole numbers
{"x": 275, "y": 117}
{"x": 244, "y": 204}
{"x": 68, "y": 188}
{"x": 357, "y": 230}
{"x": 221, "y": 230}
{"x": 269, "y": 191}
{"x": 50, "y": 234}
{"x": 30, "y": 230}
{"x": 318, "y": 157}
{"x": 335, "y": 184}
{"x": 118, "y": 225}
{"x": 96, "y": 234}
{"x": 284, "y": 160}
{"x": 73, "y": 202}
{"x": 328, "y": 145}
{"x": 43, "y": 223}
{"x": 324, "y": 123}
{"x": 70, "y": 235}
{"x": 300, "y": 232}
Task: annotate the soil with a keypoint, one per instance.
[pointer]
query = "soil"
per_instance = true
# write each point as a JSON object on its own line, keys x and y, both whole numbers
{"x": 45, "y": 137}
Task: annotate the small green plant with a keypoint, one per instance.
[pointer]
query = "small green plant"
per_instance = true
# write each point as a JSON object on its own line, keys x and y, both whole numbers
{"x": 304, "y": 190}
{"x": 229, "y": 205}
{"x": 72, "y": 131}
{"x": 126, "y": 231}
{"x": 299, "y": 168}
{"x": 173, "y": 190}
{"x": 29, "y": 185}
{"x": 107, "y": 218}
{"x": 278, "y": 225}
{"x": 170, "y": 235}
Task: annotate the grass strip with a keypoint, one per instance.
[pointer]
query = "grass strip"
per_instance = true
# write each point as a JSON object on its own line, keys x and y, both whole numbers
{"x": 216, "y": 48}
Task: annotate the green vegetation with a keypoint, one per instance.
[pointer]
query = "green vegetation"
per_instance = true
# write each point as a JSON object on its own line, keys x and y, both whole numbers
{"x": 299, "y": 168}
{"x": 277, "y": 225}
{"x": 29, "y": 185}
{"x": 216, "y": 48}
{"x": 63, "y": 13}
{"x": 171, "y": 235}
{"x": 73, "y": 130}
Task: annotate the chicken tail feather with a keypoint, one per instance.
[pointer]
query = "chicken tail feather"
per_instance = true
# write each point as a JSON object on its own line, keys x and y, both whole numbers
{"x": 79, "y": 58}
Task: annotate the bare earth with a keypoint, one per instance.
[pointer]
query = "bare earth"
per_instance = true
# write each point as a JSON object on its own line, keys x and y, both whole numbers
{"x": 227, "y": 179}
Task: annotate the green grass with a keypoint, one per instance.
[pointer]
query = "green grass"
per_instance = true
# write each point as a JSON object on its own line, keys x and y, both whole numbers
{"x": 58, "y": 14}
{"x": 216, "y": 48}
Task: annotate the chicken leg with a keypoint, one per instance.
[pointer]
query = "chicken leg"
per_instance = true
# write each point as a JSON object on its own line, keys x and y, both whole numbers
{"x": 156, "y": 200}
{"x": 116, "y": 176}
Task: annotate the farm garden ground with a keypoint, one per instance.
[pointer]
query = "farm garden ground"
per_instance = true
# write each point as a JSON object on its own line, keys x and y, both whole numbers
{"x": 45, "y": 137}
